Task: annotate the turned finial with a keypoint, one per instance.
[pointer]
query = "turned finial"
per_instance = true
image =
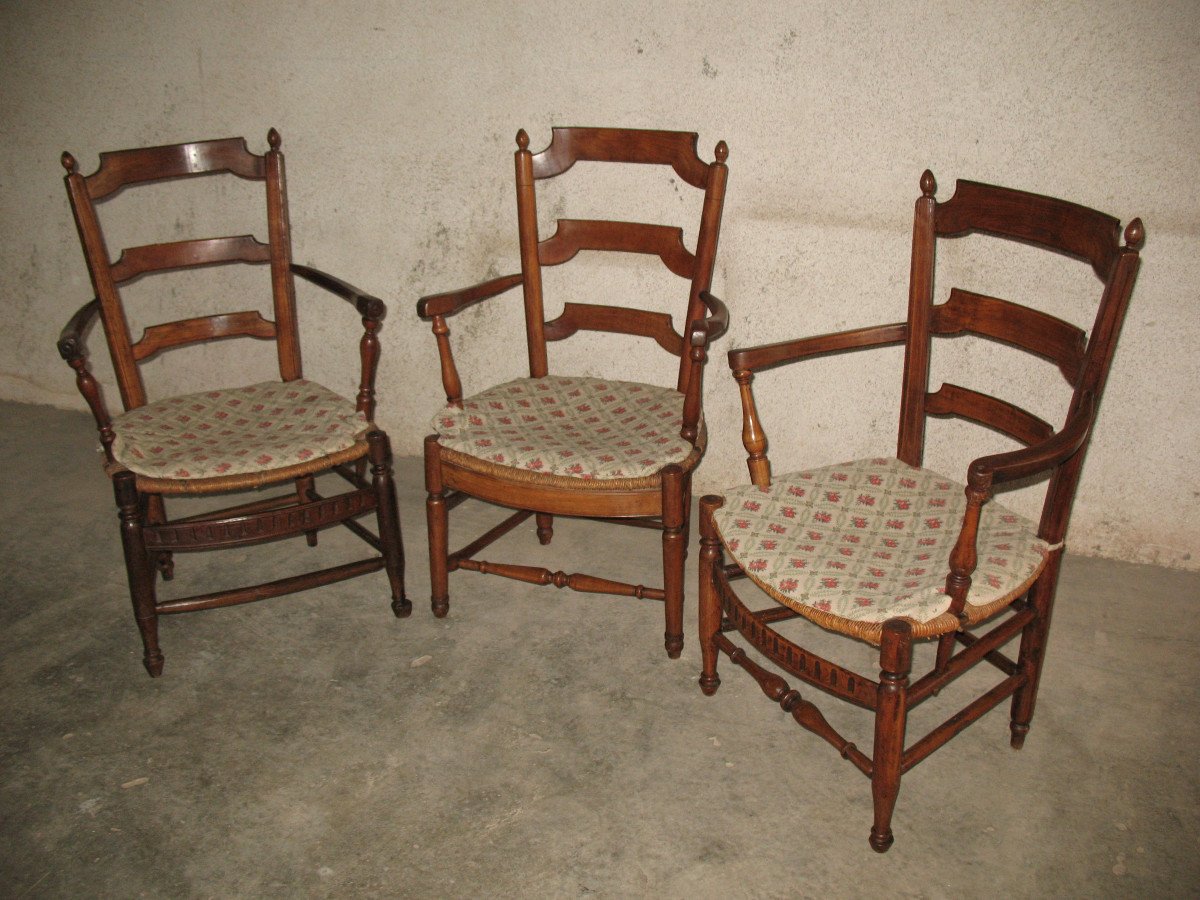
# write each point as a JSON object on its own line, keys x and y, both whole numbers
{"x": 722, "y": 152}
{"x": 522, "y": 139}
{"x": 928, "y": 184}
{"x": 1135, "y": 233}
{"x": 68, "y": 163}
{"x": 274, "y": 139}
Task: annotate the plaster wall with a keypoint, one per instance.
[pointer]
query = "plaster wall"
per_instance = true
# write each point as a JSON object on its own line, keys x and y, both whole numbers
{"x": 398, "y": 121}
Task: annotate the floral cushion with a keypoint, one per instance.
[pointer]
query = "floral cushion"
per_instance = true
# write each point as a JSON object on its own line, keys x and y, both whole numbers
{"x": 575, "y": 427}
{"x": 236, "y": 430}
{"x": 870, "y": 540}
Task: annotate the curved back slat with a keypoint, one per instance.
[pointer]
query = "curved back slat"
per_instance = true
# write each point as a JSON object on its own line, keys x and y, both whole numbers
{"x": 1045, "y": 221}
{"x": 573, "y": 235}
{"x": 124, "y": 167}
{"x": 135, "y": 261}
{"x": 568, "y": 146}
{"x": 1031, "y": 329}
{"x": 200, "y": 329}
{"x": 1017, "y": 423}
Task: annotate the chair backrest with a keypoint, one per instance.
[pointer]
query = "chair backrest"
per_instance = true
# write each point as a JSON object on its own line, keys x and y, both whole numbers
{"x": 617, "y": 145}
{"x": 1083, "y": 358}
{"x": 153, "y": 164}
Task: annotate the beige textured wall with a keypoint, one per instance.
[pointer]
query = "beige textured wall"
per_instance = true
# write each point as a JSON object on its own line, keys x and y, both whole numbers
{"x": 398, "y": 120}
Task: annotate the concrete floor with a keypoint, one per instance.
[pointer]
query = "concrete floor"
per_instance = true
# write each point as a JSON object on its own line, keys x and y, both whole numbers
{"x": 536, "y": 742}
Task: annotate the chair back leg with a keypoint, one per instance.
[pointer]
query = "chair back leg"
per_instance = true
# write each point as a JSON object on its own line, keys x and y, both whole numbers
{"x": 1033, "y": 650}
{"x": 710, "y": 604}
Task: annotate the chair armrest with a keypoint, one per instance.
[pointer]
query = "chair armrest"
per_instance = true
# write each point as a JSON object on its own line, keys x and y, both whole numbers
{"x": 749, "y": 359}
{"x": 368, "y": 307}
{"x": 716, "y": 323}
{"x": 1039, "y": 457}
{"x": 451, "y": 302}
{"x": 70, "y": 340}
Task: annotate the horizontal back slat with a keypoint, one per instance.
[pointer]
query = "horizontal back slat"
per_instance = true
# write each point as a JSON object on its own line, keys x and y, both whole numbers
{"x": 204, "y": 328}
{"x": 953, "y": 400}
{"x": 617, "y": 320}
{"x": 673, "y": 148}
{"x": 136, "y": 261}
{"x": 573, "y": 235}
{"x": 1033, "y": 330}
{"x": 123, "y": 167}
{"x": 1046, "y": 221}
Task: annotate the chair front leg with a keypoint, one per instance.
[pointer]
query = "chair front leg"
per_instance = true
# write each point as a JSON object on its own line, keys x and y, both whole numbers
{"x": 437, "y": 519}
{"x": 895, "y": 660}
{"x": 138, "y": 569}
{"x": 674, "y": 553}
{"x": 390, "y": 536}
{"x": 710, "y": 604}
{"x": 545, "y": 528}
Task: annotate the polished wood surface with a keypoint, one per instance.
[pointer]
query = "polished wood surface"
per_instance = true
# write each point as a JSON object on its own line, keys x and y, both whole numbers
{"x": 1083, "y": 357}
{"x": 662, "y": 502}
{"x": 149, "y": 538}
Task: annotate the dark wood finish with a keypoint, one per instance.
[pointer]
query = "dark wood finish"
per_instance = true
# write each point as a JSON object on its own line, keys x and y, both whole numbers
{"x": 661, "y": 502}
{"x": 1084, "y": 359}
{"x": 150, "y": 539}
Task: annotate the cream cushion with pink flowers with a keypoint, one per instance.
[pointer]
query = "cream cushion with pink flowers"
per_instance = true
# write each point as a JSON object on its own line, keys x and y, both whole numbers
{"x": 870, "y": 540}
{"x": 235, "y": 431}
{"x": 579, "y": 427}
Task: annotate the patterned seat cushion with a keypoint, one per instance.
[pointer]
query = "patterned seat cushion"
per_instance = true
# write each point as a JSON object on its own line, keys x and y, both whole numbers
{"x": 233, "y": 431}
{"x": 866, "y": 541}
{"x": 576, "y": 427}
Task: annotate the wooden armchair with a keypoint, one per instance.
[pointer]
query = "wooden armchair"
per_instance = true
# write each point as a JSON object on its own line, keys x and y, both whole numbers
{"x": 231, "y": 438}
{"x": 554, "y": 445}
{"x": 894, "y": 554}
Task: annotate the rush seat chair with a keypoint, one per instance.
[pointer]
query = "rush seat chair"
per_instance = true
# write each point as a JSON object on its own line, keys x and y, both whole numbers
{"x": 567, "y": 445}
{"x": 225, "y": 437}
{"x": 885, "y": 551}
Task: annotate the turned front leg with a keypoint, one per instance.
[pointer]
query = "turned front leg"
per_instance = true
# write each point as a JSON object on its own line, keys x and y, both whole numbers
{"x": 710, "y": 604}
{"x": 673, "y": 517}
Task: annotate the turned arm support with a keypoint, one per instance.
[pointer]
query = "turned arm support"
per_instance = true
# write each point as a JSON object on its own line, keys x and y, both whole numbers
{"x": 436, "y": 307}
{"x": 372, "y": 310}
{"x": 987, "y": 471}
{"x": 71, "y": 347}
{"x": 745, "y": 361}
{"x": 701, "y": 333}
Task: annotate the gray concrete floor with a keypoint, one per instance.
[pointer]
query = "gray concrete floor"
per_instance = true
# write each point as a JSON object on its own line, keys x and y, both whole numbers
{"x": 536, "y": 742}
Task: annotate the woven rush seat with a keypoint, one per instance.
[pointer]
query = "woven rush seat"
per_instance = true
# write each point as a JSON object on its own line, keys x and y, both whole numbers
{"x": 235, "y": 431}
{"x": 576, "y": 427}
{"x": 852, "y": 545}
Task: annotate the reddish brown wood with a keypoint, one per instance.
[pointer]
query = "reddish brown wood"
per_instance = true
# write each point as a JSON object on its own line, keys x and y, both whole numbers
{"x": 148, "y": 535}
{"x": 200, "y": 330}
{"x": 1083, "y": 357}
{"x": 662, "y": 501}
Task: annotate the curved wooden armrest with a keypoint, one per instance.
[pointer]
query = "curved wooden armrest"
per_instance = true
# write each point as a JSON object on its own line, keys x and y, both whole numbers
{"x": 368, "y": 307}
{"x": 704, "y": 331}
{"x": 449, "y": 303}
{"x": 750, "y": 359}
{"x": 1039, "y": 457}
{"x": 70, "y": 341}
